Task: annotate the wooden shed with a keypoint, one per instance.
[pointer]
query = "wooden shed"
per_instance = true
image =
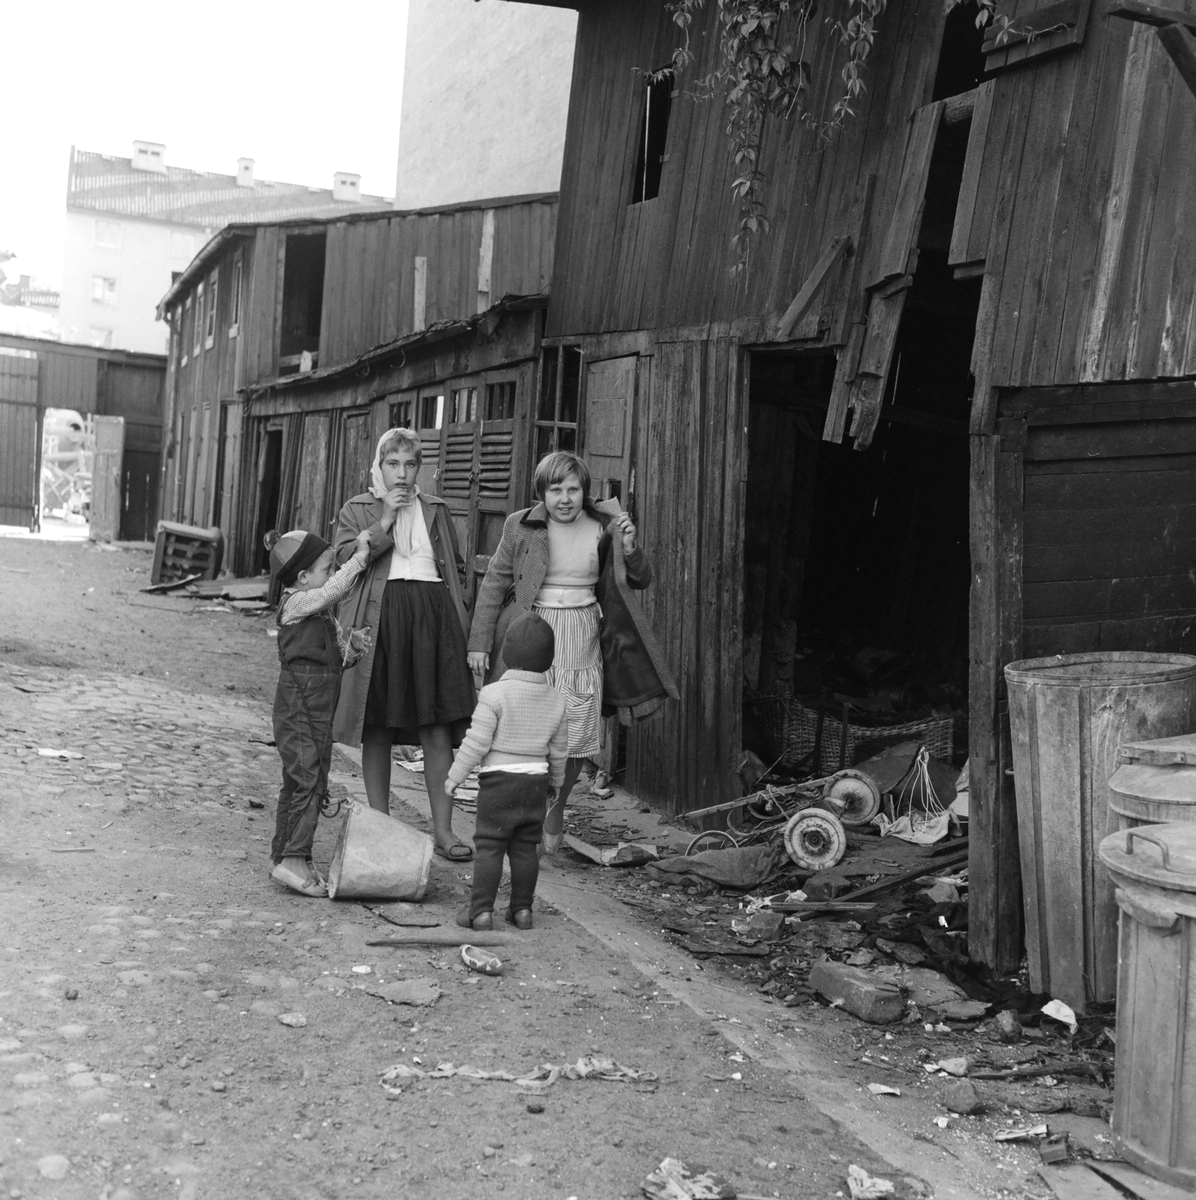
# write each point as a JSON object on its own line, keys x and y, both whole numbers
{"x": 945, "y": 414}
{"x": 284, "y": 340}
{"x": 36, "y": 374}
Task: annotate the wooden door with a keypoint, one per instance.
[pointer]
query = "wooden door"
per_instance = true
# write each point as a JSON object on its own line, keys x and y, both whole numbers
{"x": 313, "y": 474}
{"x": 357, "y": 452}
{"x": 459, "y": 467}
{"x": 106, "y": 478}
{"x": 429, "y": 422}
{"x": 609, "y": 424}
{"x": 495, "y": 484}
{"x": 19, "y": 452}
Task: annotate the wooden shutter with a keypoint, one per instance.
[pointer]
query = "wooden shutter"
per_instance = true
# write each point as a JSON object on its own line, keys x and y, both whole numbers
{"x": 19, "y": 454}
{"x": 1024, "y": 29}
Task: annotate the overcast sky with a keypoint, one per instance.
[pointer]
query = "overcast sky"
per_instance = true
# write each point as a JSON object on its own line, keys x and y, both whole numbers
{"x": 303, "y": 88}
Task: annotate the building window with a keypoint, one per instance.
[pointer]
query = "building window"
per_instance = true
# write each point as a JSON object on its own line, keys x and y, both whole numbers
{"x": 654, "y": 132}
{"x": 500, "y": 401}
{"x": 197, "y": 322}
{"x": 431, "y": 411}
{"x": 108, "y": 234}
{"x": 400, "y": 414}
{"x": 209, "y": 333}
{"x": 464, "y": 407}
{"x": 103, "y": 289}
{"x": 235, "y": 298}
{"x": 99, "y": 336}
{"x": 184, "y": 316}
{"x": 560, "y": 393}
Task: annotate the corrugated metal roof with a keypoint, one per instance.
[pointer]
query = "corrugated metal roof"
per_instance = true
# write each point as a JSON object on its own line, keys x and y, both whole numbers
{"x": 102, "y": 183}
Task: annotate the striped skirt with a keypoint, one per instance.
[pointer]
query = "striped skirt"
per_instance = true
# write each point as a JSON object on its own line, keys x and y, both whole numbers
{"x": 576, "y": 673}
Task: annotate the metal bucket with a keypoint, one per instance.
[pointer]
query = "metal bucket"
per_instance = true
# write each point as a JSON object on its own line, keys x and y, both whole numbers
{"x": 377, "y": 856}
{"x": 1154, "y": 1101}
{"x": 1068, "y": 716}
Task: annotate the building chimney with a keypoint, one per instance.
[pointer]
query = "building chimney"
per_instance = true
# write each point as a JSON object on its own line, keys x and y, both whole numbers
{"x": 149, "y": 156}
{"x": 244, "y": 172}
{"x": 346, "y": 186}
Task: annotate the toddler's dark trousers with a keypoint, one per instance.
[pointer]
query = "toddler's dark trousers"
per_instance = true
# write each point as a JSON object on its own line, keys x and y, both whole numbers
{"x": 510, "y": 822}
{"x": 304, "y": 706}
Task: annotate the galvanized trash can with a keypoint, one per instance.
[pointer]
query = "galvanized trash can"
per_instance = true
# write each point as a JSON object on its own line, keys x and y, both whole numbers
{"x": 1153, "y": 868}
{"x": 1068, "y": 715}
{"x": 1156, "y": 782}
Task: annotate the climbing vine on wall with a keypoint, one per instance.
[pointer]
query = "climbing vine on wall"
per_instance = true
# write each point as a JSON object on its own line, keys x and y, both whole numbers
{"x": 763, "y": 71}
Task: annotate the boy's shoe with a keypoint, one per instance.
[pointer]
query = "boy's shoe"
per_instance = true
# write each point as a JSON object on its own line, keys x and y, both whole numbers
{"x": 297, "y": 883}
{"x": 521, "y": 918}
{"x": 482, "y": 922}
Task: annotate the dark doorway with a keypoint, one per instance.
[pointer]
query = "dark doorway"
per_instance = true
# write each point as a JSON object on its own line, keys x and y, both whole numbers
{"x": 857, "y": 563}
{"x": 269, "y": 485}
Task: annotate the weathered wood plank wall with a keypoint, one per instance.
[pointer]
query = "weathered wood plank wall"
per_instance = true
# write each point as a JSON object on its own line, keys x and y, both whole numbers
{"x": 369, "y": 276}
{"x": 665, "y": 263}
{"x": 692, "y": 443}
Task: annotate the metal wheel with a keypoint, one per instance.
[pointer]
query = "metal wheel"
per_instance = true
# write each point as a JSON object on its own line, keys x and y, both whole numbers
{"x": 712, "y": 839}
{"x": 853, "y": 796}
{"x": 815, "y": 840}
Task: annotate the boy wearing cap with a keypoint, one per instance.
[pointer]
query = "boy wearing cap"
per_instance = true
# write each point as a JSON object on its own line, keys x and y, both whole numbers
{"x": 519, "y": 741}
{"x": 313, "y": 651}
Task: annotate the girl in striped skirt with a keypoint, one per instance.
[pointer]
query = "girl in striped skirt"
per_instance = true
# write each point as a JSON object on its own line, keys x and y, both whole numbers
{"x": 549, "y": 562}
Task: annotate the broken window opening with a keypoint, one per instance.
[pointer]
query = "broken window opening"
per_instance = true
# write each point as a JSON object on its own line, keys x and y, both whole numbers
{"x": 961, "y": 57}
{"x": 560, "y": 390}
{"x": 302, "y": 300}
{"x": 653, "y": 135}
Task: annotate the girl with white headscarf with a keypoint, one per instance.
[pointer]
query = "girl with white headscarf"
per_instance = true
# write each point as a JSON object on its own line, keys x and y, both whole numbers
{"x": 414, "y": 687}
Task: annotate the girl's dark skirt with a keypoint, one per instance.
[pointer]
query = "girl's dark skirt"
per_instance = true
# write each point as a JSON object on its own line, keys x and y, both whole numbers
{"x": 420, "y": 675}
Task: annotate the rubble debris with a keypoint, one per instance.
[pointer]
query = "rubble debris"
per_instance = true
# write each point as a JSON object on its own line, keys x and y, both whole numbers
{"x": 867, "y": 1187}
{"x": 766, "y": 925}
{"x": 743, "y": 868}
{"x": 883, "y": 1089}
{"x": 1059, "y": 1011}
{"x": 624, "y": 854}
{"x": 1008, "y": 1026}
{"x": 857, "y": 991}
{"x": 404, "y": 914}
{"x": 961, "y": 1097}
{"x": 674, "y": 1180}
{"x": 417, "y": 992}
{"x": 1055, "y": 1149}
{"x": 1090, "y": 1069}
{"x": 952, "y": 1066}
{"x": 1029, "y": 1133}
{"x": 544, "y": 1076}
{"x": 65, "y": 755}
{"x": 296, "y": 1020}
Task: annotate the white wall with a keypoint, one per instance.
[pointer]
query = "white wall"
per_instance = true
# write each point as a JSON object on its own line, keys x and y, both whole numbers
{"x": 141, "y": 263}
{"x": 485, "y": 97}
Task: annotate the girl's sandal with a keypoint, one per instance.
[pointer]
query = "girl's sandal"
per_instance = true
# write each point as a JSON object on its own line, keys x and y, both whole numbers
{"x": 482, "y": 961}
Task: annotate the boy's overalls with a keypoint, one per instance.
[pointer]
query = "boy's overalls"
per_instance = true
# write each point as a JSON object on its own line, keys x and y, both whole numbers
{"x": 309, "y": 684}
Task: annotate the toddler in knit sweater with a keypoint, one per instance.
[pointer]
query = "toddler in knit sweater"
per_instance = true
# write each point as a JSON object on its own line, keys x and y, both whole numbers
{"x": 519, "y": 740}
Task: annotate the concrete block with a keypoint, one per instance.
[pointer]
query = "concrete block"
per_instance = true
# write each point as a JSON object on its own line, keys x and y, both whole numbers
{"x": 858, "y": 991}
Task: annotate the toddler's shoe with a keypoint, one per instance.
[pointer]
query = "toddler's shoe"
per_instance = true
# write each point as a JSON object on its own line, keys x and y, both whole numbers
{"x": 521, "y": 918}
{"x": 482, "y": 922}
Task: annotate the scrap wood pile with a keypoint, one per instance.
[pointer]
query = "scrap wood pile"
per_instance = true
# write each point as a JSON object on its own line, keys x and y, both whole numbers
{"x": 236, "y": 595}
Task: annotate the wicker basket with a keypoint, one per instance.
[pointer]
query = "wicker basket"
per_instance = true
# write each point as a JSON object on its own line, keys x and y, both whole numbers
{"x": 791, "y": 728}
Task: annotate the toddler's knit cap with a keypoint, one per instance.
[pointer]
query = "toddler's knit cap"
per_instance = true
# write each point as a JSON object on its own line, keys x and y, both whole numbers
{"x": 293, "y": 552}
{"x": 529, "y": 644}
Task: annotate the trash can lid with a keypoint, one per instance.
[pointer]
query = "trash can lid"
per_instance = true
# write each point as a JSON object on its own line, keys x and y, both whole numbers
{"x": 1172, "y": 785}
{"x": 1163, "y": 855}
{"x": 1161, "y": 752}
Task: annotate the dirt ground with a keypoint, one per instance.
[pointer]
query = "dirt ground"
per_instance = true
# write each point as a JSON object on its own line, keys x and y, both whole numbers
{"x": 146, "y": 958}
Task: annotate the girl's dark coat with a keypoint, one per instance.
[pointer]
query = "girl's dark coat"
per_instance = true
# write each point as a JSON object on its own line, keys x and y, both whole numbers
{"x": 361, "y": 607}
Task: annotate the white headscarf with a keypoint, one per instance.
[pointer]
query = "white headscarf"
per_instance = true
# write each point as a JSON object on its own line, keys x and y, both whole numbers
{"x": 404, "y": 525}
